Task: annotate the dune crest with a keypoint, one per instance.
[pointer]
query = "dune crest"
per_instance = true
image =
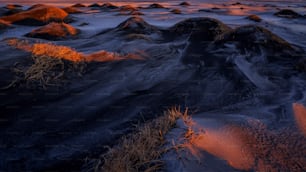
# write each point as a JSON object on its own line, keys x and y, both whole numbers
{"x": 72, "y": 10}
{"x": 54, "y": 31}
{"x": 137, "y": 25}
{"x": 37, "y": 16}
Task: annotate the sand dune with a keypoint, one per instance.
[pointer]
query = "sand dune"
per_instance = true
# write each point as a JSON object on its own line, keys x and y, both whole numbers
{"x": 54, "y": 31}
{"x": 63, "y": 101}
{"x": 37, "y": 16}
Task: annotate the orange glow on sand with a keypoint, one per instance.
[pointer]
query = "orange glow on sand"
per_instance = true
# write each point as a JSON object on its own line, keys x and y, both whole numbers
{"x": 300, "y": 116}
{"x": 222, "y": 143}
{"x": 250, "y": 146}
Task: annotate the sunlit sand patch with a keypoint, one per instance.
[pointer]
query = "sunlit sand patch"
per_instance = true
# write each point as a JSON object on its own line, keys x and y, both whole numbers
{"x": 245, "y": 10}
{"x": 47, "y": 49}
{"x": 300, "y": 116}
{"x": 104, "y": 56}
{"x": 250, "y": 146}
{"x": 223, "y": 143}
{"x": 12, "y": 6}
{"x": 51, "y": 65}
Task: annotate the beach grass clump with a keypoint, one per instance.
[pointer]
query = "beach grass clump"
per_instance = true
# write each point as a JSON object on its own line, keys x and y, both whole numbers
{"x": 49, "y": 71}
{"x": 51, "y": 64}
{"x": 141, "y": 150}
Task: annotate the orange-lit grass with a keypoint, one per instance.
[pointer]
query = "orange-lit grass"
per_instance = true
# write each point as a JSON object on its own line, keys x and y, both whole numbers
{"x": 67, "y": 53}
{"x": 103, "y": 56}
{"x": 53, "y": 63}
{"x": 141, "y": 151}
{"x": 57, "y": 52}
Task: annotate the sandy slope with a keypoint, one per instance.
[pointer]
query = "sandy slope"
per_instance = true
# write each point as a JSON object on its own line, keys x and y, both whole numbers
{"x": 226, "y": 75}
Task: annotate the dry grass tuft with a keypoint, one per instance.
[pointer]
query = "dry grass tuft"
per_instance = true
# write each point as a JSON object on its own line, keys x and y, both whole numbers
{"x": 141, "y": 151}
{"x": 52, "y": 64}
{"x": 57, "y": 51}
{"x": 46, "y": 72}
{"x": 103, "y": 56}
{"x": 49, "y": 71}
